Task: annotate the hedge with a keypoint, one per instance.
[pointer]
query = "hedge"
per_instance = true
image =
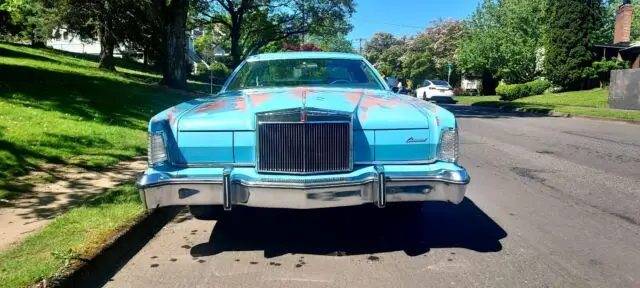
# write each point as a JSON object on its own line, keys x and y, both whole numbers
{"x": 510, "y": 92}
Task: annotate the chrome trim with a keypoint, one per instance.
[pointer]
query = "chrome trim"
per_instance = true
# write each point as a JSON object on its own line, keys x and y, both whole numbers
{"x": 233, "y": 75}
{"x": 226, "y": 191}
{"x": 377, "y": 186}
{"x": 399, "y": 162}
{"x": 263, "y": 118}
{"x": 212, "y": 165}
{"x": 382, "y": 197}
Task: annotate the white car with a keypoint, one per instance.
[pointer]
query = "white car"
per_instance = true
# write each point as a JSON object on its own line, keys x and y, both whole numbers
{"x": 435, "y": 90}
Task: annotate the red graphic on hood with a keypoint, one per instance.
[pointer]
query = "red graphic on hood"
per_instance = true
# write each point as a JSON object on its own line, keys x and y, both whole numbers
{"x": 353, "y": 97}
{"x": 259, "y": 98}
{"x": 234, "y": 103}
{"x": 224, "y": 104}
{"x": 372, "y": 100}
{"x": 301, "y": 92}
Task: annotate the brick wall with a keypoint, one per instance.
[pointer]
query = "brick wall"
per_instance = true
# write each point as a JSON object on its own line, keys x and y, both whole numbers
{"x": 624, "y": 16}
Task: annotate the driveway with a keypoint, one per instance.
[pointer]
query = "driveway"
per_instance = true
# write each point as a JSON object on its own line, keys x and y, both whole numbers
{"x": 553, "y": 203}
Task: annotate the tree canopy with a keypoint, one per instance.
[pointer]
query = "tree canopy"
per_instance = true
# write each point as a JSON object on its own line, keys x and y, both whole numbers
{"x": 250, "y": 25}
{"x": 572, "y": 30}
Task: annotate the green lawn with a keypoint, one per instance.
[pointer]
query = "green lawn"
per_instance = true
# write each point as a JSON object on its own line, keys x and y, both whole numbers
{"x": 77, "y": 234}
{"x": 56, "y": 107}
{"x": 597, "y": 98}
{"x": 590, "y": 103}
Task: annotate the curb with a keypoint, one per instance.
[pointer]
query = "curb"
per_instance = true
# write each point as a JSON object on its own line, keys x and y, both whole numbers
{"x": 97, "y": 271}
{"x": 557, "y": 114}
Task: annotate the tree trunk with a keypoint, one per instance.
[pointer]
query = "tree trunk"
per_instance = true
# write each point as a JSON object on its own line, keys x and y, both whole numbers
{"x": 107, "y": 39}
{"x": 107, "y": 45}
{"x": 175, "y": 44}
{"x": 145, "y": 55}
{"x": 36, "y": 42}
{"x": 236, "y": 54}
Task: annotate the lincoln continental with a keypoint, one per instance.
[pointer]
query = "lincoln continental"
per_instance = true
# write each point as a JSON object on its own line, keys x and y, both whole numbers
{"x": 302, "y": 130}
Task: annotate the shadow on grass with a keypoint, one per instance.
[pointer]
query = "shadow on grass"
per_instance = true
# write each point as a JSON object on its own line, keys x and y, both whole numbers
{"x": 353, "y": 231}
{"x": 106, "y": 99}
{"x": 119, "y": 62}
{"x": 92, "y": 98}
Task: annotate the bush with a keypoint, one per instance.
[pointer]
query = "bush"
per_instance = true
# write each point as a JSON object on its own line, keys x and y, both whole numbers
{"x": 510, "y": 92}
{"x": 537, "y": 87}
{"x": 218, "y": 70}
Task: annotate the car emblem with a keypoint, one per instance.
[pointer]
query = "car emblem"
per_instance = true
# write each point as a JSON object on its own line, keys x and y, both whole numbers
{"x": 303, "y": 116}
{"x": 416, "y": 140}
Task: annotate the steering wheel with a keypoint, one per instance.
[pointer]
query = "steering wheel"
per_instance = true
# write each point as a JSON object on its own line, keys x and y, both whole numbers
{"x": 340, "y": 80}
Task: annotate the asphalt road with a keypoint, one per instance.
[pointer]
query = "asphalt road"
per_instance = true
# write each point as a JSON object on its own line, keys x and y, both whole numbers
{"x": 553, "y": 203}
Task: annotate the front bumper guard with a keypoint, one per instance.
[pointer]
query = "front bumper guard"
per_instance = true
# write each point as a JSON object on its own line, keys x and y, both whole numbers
{"x": 160, "y": 189}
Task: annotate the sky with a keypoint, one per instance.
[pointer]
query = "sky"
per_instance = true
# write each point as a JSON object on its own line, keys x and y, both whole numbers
{"x": 404, "y": 17}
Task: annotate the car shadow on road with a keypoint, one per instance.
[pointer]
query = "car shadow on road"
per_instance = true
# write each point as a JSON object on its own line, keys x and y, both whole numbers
{"x": 354, "y": 231}
{"x": 465, "y": 111}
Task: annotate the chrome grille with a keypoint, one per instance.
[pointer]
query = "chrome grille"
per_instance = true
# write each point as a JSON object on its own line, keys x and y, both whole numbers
{"x": 306, "y": 147}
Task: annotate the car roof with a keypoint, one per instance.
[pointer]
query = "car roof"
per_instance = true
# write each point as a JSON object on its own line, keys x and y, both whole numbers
{"x": 303, "y": 55}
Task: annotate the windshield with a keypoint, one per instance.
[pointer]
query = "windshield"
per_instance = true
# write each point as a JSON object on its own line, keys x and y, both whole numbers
{"x": 440, "y": 83}
{"x": 305, "y": 72}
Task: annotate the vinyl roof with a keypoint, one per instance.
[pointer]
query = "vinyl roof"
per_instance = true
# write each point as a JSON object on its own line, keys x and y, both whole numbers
{"x": 303, "y": 55}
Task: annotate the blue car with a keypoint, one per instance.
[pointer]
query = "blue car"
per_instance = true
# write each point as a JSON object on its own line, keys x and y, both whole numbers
{"x": 302, "y": 130}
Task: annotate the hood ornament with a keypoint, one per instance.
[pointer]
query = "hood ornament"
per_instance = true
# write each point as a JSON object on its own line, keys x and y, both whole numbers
{"x": 303, "y": 111}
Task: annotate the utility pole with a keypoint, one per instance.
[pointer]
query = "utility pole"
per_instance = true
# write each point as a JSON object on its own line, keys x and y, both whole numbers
{"x": 360, "y": 47}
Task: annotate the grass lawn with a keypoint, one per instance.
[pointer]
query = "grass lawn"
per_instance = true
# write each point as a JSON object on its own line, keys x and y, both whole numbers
{"x": 78, "y": 234}
{"x": 57, "y": 107}
{"x": 590, "y": 103}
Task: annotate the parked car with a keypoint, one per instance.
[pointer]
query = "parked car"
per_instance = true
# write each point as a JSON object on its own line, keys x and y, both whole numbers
{"x": 302, "y": 130}
{"x": 435, "y": 90}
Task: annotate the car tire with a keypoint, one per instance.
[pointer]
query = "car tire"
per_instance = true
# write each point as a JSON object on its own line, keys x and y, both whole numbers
{"x": 207, "y": 212}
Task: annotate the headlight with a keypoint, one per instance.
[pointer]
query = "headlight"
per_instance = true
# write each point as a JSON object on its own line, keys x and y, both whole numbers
{"x": 448, "y": 148}
{"x": 156, "y": 150}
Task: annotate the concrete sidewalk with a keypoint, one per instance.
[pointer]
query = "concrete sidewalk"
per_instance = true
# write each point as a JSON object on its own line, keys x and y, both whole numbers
{"x": 71, "y": 187}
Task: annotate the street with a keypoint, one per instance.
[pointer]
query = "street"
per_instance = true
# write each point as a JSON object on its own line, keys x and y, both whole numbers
{"x": 553, "y": 202}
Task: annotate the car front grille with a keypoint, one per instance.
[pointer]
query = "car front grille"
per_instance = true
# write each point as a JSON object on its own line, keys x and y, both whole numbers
{"x": 304, "y": 148}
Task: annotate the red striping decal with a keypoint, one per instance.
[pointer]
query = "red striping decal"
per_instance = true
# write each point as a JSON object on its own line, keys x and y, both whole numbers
{"x": 259, "y": 98}
{"x": 372, "y": 100}
{"x": 300, "y": 92}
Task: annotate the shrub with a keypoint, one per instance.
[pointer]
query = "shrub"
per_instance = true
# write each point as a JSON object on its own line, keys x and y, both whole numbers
{"x": 537, "y": 87}
{"x": 510, "y": 92}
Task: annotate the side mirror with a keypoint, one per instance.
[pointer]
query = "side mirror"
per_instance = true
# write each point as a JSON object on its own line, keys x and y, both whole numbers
{"x": 395, "y": 89}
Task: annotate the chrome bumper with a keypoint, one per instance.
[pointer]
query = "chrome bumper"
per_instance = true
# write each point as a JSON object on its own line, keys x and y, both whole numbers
{"x": 376, "y": 185}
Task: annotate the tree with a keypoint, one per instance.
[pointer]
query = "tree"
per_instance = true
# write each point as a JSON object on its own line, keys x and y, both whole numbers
{"x": 111, "y": 22}
{"x": 601, "y": 70}
{"x": 299, "y": 48}
{"x": 173, "y": 18}
{"x": 572, "y": 29}
{"x": 27, "y": 20}
{"x": 332, "y": 43}
{"x": 441, "y": 43}
{"x": 504, "y": 38}
{"x": 379, "y": 43}
{"x": 253, "y": 24}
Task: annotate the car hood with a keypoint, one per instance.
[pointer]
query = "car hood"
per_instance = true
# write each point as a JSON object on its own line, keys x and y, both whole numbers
{"x": 371, "y": 109}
